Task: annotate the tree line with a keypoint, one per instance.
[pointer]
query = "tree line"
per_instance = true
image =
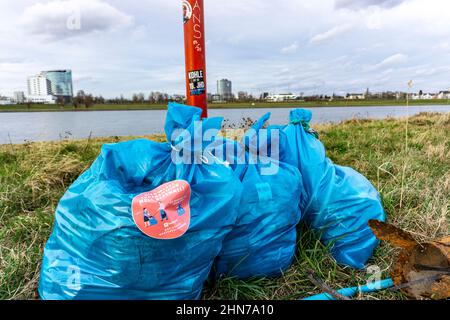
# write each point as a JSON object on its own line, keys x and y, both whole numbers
{"x": 88, "y": 100}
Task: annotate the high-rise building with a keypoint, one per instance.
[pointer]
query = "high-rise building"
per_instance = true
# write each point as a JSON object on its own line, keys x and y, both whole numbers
{"x": 61, "y": 82}
{"x": 48, "y": 86}
{"x": 19, "y": 97}
{"x": 225, "y": 89}
{"x": 38, "y": 85}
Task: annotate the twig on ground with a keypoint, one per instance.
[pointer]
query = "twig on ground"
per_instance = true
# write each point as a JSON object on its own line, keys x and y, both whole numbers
{"x": 322, "y": 285}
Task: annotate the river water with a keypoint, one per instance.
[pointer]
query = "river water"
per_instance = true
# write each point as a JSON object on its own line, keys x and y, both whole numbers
{"x": 49, "y": 126}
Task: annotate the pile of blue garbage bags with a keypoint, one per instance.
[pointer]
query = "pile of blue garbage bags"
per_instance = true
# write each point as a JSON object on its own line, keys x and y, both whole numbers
{"x": 154, "y": 220}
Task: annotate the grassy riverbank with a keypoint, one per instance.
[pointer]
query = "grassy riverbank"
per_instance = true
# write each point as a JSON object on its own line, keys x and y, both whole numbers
{"x": 257, "y": 105}
{"x": 33, "y": 177}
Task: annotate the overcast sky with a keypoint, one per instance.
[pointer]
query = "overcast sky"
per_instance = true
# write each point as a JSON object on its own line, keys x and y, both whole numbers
{"x": 320, "y": 46}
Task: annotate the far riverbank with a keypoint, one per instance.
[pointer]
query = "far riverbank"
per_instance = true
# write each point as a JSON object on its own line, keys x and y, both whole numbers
{"x": 223, "y": 106}
{"x": 19, "y": 127}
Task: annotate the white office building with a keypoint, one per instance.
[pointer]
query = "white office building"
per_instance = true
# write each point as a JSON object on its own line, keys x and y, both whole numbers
{"x": 39, "y": 85}
{"x": 47, "y": 86}
{"x": 423, "y": 96}
{"x": 355, "y": 96}
{"x": 282, "y": 97}
{"x": 44, "y": 99}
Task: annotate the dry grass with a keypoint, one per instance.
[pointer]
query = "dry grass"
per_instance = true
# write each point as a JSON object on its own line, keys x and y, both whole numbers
{"x": 33, "y": 177}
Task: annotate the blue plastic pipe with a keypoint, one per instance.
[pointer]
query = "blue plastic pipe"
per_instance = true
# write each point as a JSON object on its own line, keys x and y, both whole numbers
{"x": 351, "y": 292}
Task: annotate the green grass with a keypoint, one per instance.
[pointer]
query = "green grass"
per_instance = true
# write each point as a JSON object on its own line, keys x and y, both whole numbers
{"x": 33, "y": 177}
{"x": 237, "y": 105}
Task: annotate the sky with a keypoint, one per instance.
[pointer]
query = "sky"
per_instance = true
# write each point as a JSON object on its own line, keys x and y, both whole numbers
{"x": 323, "y": 46}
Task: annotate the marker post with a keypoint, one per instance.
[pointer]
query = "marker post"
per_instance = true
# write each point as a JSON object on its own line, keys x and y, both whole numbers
{"x": 194, "y": 42}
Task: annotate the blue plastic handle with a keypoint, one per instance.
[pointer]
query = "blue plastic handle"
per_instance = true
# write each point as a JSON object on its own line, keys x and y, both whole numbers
{"x": 351, "y": 292}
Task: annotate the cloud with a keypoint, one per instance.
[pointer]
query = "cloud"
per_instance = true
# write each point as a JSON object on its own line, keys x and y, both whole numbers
{"x": 83, "y": 78}
{"x": 236, "y": 39}
{"x": 58, "y": 20}
{"x": 445, "y": 45}
{"x": 360, "y": 4}
{"x": 395, "y": 59}
{"x": 290, "y": 49}
{"x": 330, "y": 34}
{"x": 128, "y": 46}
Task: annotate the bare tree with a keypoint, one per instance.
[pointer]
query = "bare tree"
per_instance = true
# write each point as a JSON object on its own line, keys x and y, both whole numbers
{"x": 61, "y": 101}
{"x": 89, "y": 101}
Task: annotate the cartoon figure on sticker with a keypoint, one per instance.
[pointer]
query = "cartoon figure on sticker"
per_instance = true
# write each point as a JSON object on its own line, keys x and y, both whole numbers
{"x": 153, "y": 221}
{"x": 149, "y": 220}
{"x": 180, "y": 210}
{"x": 146, "y": 218}
{"x": 162, "y": 212}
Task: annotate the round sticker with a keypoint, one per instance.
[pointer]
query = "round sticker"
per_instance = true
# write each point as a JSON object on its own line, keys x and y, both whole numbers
{"x": 187, "y": 11}
{"x": 164, "y": 212}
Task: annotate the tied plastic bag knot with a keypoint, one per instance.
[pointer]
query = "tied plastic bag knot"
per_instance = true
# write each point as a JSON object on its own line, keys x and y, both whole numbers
{"x": 306, "y": 126}
{"x": 300, "y": 115}
{"x": 303, "y": 117}
{"x": 187, "y": 132}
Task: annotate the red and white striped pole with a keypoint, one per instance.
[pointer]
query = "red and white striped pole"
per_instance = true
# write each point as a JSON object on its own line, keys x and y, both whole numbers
{"x": 194, "y": 42}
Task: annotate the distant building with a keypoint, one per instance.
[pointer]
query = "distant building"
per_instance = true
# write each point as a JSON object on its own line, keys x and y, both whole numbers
{"x": 178, "y": 98}
{"x": 4, "y": 101}
{"x": 423, "y": 96}
{"x": 38, "y": 85}
{"x": 282, "y": 97}
{"x": 355, "y": 96}
{"x": 60, "y": 83}
{"x": 443, "y": 95}
{"x": 400, "y": 95}
{"x": 242, "y": 96}
{"x": 49, "y": 86}
{"x": 336, "y": 97}
{"x": 225, "y": 89}
{"x": 215, "y": 98}
{"x": 42, "y": 99}
{"x": 19, "y": 97}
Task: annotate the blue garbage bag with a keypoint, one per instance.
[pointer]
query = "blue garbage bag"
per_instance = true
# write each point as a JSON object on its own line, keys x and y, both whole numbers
{"x": 96, "y": 250}
{"x": 263, "y": 241}
{"x": 337, "y": 202}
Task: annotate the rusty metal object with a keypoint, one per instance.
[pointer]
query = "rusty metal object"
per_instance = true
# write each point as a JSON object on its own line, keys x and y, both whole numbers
{"x": 417, "y": 261}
